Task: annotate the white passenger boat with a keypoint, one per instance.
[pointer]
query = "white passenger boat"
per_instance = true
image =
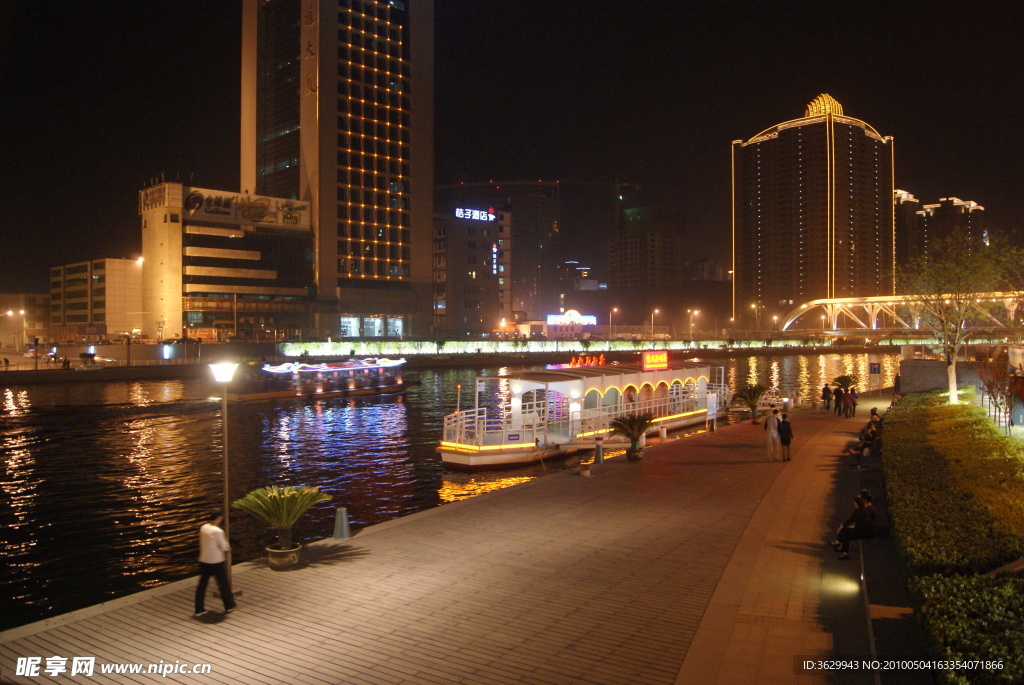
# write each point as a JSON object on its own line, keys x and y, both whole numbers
{"x": 524, "y": 416}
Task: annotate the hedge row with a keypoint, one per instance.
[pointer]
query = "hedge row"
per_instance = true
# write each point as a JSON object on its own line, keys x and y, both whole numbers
{"x": 955, "y": 486}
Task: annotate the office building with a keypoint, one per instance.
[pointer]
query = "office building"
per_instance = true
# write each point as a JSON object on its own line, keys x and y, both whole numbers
{"x": 337, "y": 112}
{"x": 473, "y": 275}
{"x": 23, "y": 318}
{"x": 220, "y": 264}
{"x": 96, "y": 300}
{"x": 812, "y": 212}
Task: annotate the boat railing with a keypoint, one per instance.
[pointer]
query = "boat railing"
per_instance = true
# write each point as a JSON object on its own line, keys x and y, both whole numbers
{"x": 485, "y": 427}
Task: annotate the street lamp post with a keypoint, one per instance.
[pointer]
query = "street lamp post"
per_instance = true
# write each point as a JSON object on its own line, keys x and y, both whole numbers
{"x": 775, "y": 322}
{"x": 692, "y": 313}
{"x": 757, "y": 316}
{"x": 611, "y": 329}
{"x": 222, "y": 373}
{"x": 652, "y": 323}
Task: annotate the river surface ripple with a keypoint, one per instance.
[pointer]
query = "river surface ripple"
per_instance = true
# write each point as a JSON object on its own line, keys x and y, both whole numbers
{"x": 104, "y": 484}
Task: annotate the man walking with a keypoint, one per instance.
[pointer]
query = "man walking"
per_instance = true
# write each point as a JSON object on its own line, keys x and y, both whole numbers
{"x": 213, "y": 562}
{"x": 771, "y": 435}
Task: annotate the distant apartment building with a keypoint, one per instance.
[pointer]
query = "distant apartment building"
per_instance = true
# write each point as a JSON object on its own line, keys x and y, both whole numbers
{"x": 706, "y": 270}
{"x": 473, "y": 271}
{"x": 23, "y": 318}
{"x": 910, "y": 236}
{"x": 220, "y": 264}
{"x": 812, "y": 203}
{"x": 96, "y": 300}
{"x": 646, "y": 252}
{"x": 918, "y": 226}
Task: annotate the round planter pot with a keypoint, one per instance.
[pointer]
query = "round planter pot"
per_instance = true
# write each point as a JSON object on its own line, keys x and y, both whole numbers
{"x": 634, "y": 455}
{"x": 283, "y": 559}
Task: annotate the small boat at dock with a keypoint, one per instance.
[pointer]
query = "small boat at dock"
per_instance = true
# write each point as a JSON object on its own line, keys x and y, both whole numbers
{"x": 324, "y": 380}
{"x": 525, "y": 416}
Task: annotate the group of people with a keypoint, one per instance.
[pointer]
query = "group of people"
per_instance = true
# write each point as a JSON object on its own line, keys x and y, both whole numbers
{"x": 778, "y": 434}
{"x": 845, "y": 400}
{"x": 869, "y": 439}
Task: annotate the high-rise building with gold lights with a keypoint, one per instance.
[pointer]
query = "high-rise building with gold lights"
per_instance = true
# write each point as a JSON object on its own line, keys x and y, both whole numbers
{"x": 812, "y": 213}
{"x": 337, "y": 111}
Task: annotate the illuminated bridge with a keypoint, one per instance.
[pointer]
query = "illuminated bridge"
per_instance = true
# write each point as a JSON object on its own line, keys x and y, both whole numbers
{"x": 864, "y": 312}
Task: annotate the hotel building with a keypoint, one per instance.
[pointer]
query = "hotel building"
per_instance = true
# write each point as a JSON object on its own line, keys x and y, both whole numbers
{"x": 473, "y": 272}
{"x": 812, "y": 212}
{"x": 337, "y": 113}
{"x": 917, "y": 225}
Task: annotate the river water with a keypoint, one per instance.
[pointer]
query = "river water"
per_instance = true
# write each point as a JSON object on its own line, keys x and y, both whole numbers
{"x": 105, "y": 483}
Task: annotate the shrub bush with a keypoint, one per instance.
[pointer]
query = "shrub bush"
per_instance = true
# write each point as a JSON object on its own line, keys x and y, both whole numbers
{"x": 971, "y": 617}
{"x": 955, "y": 487}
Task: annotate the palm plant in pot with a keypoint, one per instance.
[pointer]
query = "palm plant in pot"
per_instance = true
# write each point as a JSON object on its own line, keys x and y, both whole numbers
{"x": 633, "y": 427}
{"x": 280, "y": 507}
{"x": 749, "y": 397}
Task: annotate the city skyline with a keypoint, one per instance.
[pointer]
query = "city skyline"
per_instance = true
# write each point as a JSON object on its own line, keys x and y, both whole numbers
{"x": 101, "y": 98}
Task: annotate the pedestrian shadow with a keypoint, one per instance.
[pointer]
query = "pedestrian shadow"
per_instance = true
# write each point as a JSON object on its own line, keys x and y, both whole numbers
{"x": 820, "y": 551}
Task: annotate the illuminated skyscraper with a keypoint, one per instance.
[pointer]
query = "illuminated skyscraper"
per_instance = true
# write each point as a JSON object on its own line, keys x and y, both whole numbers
{"x": 337, "y": 111}
{"x": 812, "y": 212}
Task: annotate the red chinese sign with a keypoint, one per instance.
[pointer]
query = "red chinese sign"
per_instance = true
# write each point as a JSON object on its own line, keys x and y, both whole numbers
{"x": 655, "y": 360}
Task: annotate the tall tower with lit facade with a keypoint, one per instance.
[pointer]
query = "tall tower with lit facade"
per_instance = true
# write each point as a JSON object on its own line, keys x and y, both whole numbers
{"x": 337, "y": 111}
{"x": 812, "y": 212}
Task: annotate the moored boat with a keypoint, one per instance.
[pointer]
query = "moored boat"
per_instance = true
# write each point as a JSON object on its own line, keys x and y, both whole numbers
{"x": 306, "y": 381}
{"x": 524, "y": 416}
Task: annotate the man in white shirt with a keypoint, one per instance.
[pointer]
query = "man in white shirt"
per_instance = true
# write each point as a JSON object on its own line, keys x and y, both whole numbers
{"x": 213, "y": 562}
{"x": 771, "y": 435}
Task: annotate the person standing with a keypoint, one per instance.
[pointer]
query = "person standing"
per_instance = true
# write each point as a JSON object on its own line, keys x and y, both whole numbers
{"x": 848, "y": 403}
{"x": 785, "y": 436}
{"x": 771, "y": 435}
{"x": 826, "y": 397}
{"x": 213, "y": 547}
{"x": 855, "y": 396}
{"x": 838, "y": 396}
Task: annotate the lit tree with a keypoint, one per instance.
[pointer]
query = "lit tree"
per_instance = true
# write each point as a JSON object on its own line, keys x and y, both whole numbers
{"x": 943, "y": 288}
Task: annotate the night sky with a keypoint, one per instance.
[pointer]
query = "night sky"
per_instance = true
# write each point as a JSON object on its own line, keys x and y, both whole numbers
{"x": 99, "y": 97}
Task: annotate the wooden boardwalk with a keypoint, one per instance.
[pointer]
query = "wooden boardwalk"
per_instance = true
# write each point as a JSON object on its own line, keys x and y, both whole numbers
{"x": 561, "y": 580}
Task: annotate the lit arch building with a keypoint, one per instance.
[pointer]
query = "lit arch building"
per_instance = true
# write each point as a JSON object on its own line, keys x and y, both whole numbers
{"x": 812, "y": 213}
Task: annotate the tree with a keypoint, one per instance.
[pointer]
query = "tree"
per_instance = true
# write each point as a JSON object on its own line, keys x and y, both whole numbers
{"x": 750, "y": 396}
{"x": 845, "y": 382}
{"x": 943, "y": 287}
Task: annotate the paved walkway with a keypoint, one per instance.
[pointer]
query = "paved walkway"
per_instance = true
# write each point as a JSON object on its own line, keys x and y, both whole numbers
{"x": 701, "y": 564}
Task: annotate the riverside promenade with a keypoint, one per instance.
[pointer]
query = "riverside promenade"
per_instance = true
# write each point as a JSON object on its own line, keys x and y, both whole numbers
{"x": 703, "y": 563}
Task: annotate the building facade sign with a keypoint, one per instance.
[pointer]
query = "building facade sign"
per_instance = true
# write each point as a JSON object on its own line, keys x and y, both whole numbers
{"x": 475, "y": 214}
{"x": 202, "y": 205}
{"x": 571, "y": 318}
{"x": 655, "y": 360}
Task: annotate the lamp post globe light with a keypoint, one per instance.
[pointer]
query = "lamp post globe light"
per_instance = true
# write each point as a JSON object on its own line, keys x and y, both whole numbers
{"x": 223, "y": 372}
{"x": 656, "y": 311}
{"x": 611, "y": 329}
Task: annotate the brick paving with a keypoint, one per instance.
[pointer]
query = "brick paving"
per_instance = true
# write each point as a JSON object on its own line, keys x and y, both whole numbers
{"x": 701, "y": 564}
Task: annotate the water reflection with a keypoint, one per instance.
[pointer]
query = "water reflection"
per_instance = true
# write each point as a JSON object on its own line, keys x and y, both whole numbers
{"x": 104, "y": 484}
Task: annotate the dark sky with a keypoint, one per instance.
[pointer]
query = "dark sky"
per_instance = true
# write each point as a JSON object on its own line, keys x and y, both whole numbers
{"x": 99, "y": 96}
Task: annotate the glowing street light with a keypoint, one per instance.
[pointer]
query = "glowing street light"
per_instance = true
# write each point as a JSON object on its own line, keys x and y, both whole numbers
{"x": 656, "y": 311}
{"x": 692, "y": 313}
{"x": 223, "y": 372}
{"x": 611, "y": 329}
{"x": 757, "y": 316}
